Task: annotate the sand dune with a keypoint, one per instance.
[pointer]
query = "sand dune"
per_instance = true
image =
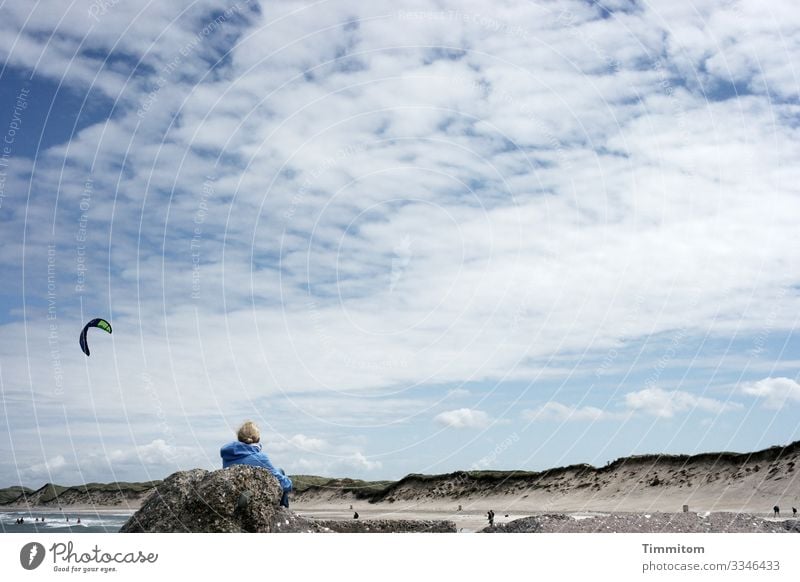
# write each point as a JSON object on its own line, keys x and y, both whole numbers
{"x": 734, "y": 482}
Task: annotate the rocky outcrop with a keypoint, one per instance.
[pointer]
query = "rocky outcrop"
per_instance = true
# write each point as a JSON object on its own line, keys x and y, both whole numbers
{"x": 233, "y": 500}
{"x": 389, "y": 526}
{"x": 243, "y": 499}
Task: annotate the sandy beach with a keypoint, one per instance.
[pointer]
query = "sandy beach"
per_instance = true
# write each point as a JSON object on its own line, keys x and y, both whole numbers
{"x": 472, "y": 517}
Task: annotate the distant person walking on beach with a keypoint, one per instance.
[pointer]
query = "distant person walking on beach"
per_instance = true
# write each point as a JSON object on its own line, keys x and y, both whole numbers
{"x": 247, "y": 451}
{"x": 490, "y": 515}
{"x": 777, "y": 510}
{"x": 794, "y": 512}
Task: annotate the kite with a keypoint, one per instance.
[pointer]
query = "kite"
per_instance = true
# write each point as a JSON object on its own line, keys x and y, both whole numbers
{"x": 101, "y": 323}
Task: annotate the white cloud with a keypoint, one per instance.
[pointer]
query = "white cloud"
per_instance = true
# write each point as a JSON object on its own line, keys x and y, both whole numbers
{"x": 295, "y": 444}
{"x": 358, "y": 461}
{"x": 304, "y": 454}
{"x": 776, "y": 392}
{"x": 665, "y": 404}
{"x": 156, "y": 453}
{"x": 457, "y": 393}
{"x": 338, "y": 465}
{"x": 308, "y": 443}
{"x": 562, "y": 412}
{"x": 46, "y": 469}
{"x": 650, "y": 401}
{"x": 464, "y": 418}
{"x": 387, "y": 218}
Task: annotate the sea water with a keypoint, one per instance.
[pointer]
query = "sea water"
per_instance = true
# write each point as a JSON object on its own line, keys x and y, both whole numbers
{"x": 56, "y": 521}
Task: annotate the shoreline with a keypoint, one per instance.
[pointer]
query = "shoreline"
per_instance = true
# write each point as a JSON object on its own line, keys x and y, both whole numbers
{"x": 343, "y": 511}
{"x": 70, "y": 509}
{"x": 466, "y": 521}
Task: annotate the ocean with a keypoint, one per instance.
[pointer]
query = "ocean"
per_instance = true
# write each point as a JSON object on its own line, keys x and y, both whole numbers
{"x": 56, "y": 521}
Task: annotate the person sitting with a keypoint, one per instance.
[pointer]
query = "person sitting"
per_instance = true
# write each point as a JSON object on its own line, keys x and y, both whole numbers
{"x": 247, "y": 451}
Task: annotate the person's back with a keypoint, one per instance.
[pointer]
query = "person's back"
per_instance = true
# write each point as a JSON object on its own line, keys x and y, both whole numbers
{"x": 247, "y": 451}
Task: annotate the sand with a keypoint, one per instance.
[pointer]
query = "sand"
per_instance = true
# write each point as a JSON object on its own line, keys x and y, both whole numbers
{"x": 472, "y": 516}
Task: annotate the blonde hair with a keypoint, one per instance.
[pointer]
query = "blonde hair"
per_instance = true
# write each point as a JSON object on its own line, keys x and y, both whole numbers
{"x": 249, "y": 433}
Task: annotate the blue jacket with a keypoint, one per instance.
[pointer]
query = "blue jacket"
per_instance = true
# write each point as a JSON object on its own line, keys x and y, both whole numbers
{"x": 237, "y": 453}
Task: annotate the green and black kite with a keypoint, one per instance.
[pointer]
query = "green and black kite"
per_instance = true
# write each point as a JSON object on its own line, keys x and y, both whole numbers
{"x": 101, "y": 323}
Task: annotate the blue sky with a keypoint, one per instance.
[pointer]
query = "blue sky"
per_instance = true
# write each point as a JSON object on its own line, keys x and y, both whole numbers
{"x": 402, "y": 240}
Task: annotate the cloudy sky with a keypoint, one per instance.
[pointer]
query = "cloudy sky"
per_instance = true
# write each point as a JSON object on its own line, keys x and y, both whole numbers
{"x": 403, "y": 237}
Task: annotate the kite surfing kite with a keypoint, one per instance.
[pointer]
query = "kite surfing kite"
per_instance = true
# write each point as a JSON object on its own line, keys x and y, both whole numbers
{"x": 101, "y": 323}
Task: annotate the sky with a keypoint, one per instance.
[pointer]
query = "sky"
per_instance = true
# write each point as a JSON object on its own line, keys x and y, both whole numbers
{"x": 402, "y": 237}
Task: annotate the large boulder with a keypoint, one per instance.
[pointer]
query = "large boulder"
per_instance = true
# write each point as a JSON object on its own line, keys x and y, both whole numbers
{"x": 240, "y": 498}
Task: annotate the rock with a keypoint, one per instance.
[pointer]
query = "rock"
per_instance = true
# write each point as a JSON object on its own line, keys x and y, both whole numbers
{"x": 524, "y": 525}
{"x": 389, "y": 526}
{"x": 721, "y": 522}
{"x": 792, "y": 525}
{"x": 240, "y": 498}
